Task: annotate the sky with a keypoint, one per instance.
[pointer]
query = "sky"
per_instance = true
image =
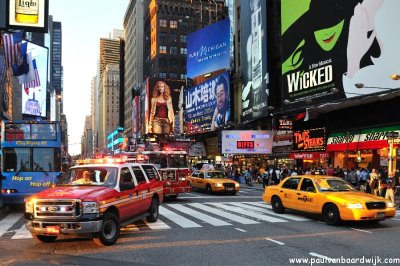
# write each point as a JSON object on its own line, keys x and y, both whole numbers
{"x": 83, "y": 24}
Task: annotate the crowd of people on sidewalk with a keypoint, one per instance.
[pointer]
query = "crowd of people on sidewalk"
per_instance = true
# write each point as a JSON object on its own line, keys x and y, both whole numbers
{"x": 378, "y": 182}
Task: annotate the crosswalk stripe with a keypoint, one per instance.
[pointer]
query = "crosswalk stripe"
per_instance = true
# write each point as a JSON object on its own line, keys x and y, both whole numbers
{"x": 160, "y": 225}
{"x": 261, "y": 209}
{"x": 7, "y": 222}
{"x": 224, "y": 214}
{"x": 199, "y": 215}
{"x": 249, "y": 213}
{"x": 22, "y": 233}
{"x": 178, "y": 219}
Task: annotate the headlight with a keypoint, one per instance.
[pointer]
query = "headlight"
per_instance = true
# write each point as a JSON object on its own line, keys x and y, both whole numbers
{"x": 389, "y": 205}
{"x": 237, "y": 185}
{"x": 90, "y": 207}
{"x": 29, "y": 206}
{"x": 218, "y": 185}
{"x": 354, "y": 205}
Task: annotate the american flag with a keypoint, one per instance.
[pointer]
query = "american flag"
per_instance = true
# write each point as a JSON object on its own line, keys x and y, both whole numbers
{"x": 12, "y": 47}
{"x": 34, "y": 83}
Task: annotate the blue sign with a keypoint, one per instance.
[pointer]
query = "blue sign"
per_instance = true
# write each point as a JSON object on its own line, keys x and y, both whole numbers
{"x": 208, "y": 105}
{"x": 208, "y": 49}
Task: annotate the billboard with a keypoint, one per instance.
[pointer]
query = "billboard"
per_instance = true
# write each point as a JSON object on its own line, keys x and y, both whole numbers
{"x": 327, "y": 55}
{"x": 254, "y": 59}
{"x": 309, "y": 140}
{"x": 208, "y": 49}
{"x": 29, "y": 15}
{"x": 162, "y": 105}
{"x": 34, "y": 99}
{"x": 246, "y": 141}
{"x": 208, "y": 105}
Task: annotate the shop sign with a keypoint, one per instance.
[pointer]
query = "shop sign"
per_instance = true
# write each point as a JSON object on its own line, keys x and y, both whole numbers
{"x": 309, "y": 140}
{"x": 309, "y": 155}
{"x": 197, "y": 149}
{"x": 369, "y": 138}
{"x": 246, "y": 141}
{"x": 284, "y": 124}
{"x": 282, "y": 138}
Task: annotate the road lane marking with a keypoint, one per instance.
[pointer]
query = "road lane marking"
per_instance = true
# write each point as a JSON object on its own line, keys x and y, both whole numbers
{"x": 364, "y": 231}
{"x": 9, "y": 221}
{"x": 22, "y": 233}
{"x": 159, "y": 225}
{"x": 178, "y": 219}
{"x": 224, "y": 214}
{"x": 241, "y": 230}
{"x": 199, "y": 215}
{"x": 263, "y": 210}
{"x": 275, "y": 241}
{"x": 320, "y": 256}
{"x": 249, "y": 213}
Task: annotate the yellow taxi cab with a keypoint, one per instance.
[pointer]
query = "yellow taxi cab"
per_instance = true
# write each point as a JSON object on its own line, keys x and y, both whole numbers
{"x": 332, "y": 197}
{"x": 213, "y": 181}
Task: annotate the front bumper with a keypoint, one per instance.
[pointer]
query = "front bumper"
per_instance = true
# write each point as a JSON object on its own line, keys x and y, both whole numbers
{"x": 70, "y": 227}
{"x": 365, "y": 214}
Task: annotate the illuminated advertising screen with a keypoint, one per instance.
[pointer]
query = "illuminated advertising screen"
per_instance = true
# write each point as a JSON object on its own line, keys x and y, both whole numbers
{"x": 309, "y": 140}
{"x": 162, "y": 105}
{"x": 29, "y": 15}
{"x": 253, "y": 54}
{"x": 208, "y": 105}
{"x": 208, "y": 49}
{"x": 246, "y": 141}
{"x": 34, "y": 99}
{"x": 327, "y": 55}
{"x": 153, "y": 29}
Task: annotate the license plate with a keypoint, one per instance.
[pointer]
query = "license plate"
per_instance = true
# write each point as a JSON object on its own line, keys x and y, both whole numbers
{"x": 53, "y": 230}
{"x": 380, "y": 215}
{"x": 229, "y": 188}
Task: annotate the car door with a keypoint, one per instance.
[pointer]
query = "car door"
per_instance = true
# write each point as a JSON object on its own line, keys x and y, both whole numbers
{"x": 128, "y": 196}
{"x": 143, "y": 194}
{"x": 307, "y": 196}
{"x": 288, "y": 192}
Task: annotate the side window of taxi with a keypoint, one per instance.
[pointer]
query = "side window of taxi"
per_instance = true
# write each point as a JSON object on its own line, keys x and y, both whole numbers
{"x": 140, "y": 178}
{"x": 307, "y": 185}
{"x": 195, "y": 174}
{"x": 291, "y": 183}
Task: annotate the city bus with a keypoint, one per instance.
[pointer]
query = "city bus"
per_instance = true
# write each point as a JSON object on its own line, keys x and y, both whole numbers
{"x": 172, "y": 166}
{"x": 31, "y": 158}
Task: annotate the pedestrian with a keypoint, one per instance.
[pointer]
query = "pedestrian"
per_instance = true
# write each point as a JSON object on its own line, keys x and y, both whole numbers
{"x": 391, "y": 187}
{"x": 374, "y": 182}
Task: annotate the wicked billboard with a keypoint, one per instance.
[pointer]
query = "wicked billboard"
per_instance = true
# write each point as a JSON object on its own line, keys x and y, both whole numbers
{"x": 330, "y": 47}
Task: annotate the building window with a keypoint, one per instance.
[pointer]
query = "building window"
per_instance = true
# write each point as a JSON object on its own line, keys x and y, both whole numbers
{"x": 173, "y": 24}
{"x": 163, "y": 49}
{"x": 163, "y": 75}
{"x": 172, "y": 38}
{"x": 183, "y": 76}
{"x": 163, "y": 23}
{"x": 183, "y": 50}
{"x": 173, "y": 50}
{"x": 183, "y": 38}
{"x": 163, "y": 37}
{"x": 163, "y": 62}
{"x": 173, "y": 75}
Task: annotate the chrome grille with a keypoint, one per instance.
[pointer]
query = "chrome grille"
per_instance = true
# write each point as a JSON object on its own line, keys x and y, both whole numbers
{"x": 229, "y": 185}
{"x": 375, "y": 205}
{"x": 57, "y": 209}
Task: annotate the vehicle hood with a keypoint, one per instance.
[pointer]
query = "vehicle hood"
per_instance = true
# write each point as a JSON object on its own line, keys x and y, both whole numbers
{"x": 354, "y": 197}
{"x": 73, "y": 192}
{"x": 220, "y": 180}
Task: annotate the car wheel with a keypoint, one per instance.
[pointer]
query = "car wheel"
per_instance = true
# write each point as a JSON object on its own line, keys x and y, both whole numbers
{"x": 109, "y": 231}
{"x": 153, "y": 211}
{"x": 277, "y": 205}
{"x": 208, "y": 189}
{"x": 331, "y": 215}
{"x": 44, "y": 239}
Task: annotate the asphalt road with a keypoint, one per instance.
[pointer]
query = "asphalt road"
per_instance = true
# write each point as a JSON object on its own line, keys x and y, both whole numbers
{"x": 198, "y": 229}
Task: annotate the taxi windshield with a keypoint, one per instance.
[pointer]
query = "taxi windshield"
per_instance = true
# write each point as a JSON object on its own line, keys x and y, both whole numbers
{"x": 333, "y": 184}
{"x": 218, "y": 175}
{"x": 89, "y": 176}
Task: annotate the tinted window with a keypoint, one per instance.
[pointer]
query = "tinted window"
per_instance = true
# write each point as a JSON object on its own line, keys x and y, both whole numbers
{"x": 306, "y": 184}
{"x": 139, "y": 174}
{"x": 150, "y": 171}
{"x": 291, "y": 183}
{"x": 126, "y": 175}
